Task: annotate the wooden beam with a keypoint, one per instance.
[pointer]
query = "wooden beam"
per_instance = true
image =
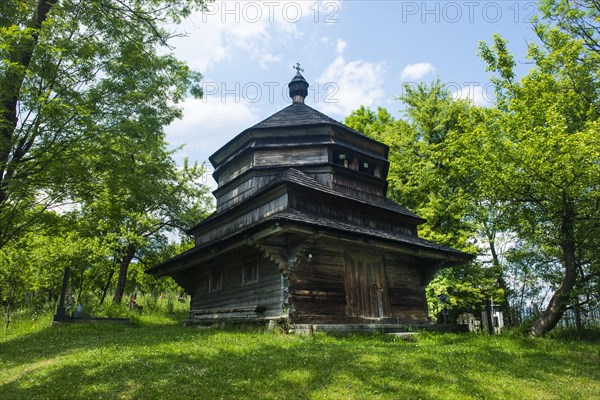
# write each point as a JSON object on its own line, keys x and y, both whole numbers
{"x": 379, "y": 243}
{"x": 286, "y": 257}
{"x": 215, "y": 252}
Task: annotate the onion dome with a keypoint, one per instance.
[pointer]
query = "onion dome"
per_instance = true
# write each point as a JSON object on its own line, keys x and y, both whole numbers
{"x": 298, "y": 86}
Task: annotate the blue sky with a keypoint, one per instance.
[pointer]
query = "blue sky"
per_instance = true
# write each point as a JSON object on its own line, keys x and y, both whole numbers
{"x": 353, "y": 53}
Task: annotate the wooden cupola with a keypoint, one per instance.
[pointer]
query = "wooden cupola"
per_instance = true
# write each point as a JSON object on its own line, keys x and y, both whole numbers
{"x": 303, "y": 138}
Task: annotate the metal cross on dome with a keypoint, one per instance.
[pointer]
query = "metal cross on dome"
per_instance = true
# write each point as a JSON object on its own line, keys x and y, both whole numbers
{"x": 297, "y": 68}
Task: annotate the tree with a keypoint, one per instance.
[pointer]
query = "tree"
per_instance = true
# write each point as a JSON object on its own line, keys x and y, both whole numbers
{"x": 538, "y": 152}
{"x": 72, "y": 71}
{"x": 140, "y": 203}
{"x": 369, "y": 122}
{"x": 576, "y": 18}
{"x": 421, "y": 179}
{"x": 31, "y": 268}
{"x": 417, "y": 178}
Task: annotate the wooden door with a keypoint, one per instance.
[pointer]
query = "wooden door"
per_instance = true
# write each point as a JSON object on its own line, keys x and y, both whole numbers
{"x": 366, "y": 286}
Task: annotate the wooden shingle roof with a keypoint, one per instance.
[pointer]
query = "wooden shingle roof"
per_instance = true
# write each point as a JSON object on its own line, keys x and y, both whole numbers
{"x": 298, "y": 114}
{"x": 291, "y": 216}
{"x": 296, "y": 177}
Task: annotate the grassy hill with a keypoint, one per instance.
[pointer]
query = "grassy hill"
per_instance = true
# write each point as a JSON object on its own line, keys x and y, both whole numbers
{"x": 159, "y": 359}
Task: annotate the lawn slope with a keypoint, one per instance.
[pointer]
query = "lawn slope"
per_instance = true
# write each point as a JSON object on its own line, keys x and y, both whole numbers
{"x": 166, "y": 361}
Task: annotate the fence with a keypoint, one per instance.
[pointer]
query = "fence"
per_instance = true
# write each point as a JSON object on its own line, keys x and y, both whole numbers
{"x": 589, "y": 317}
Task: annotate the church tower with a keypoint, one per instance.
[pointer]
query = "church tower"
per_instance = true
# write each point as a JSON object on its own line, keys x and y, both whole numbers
{"x": 303, "y": 230}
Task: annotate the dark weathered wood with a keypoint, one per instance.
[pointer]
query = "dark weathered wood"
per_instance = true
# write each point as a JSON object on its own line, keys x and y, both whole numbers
{"x": 244, "y": 219}
{"x": 244, "y": 188}
{"x": 366, "y": 286}
{"x": 304, "y": 197}
{"x": 290, "y": 156}
{"x": 237, "y": 167}
{"x": 236, "y": 312}
{"x": 266, "y": 293}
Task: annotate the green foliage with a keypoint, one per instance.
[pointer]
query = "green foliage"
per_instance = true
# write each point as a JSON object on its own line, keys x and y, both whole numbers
{"x": 160, "y": 359}
{"x": 31, "y": 269}
{"x": 417, "y": 178}
{"x": 139, "y": 203}
{"x": 462, "y": 289}
{"x": 368, "y": 122}
{"x": 537, "y": 152}
{"x": 524, "y": 171}
{"x": 76, "y": 78}
{"x": 86, "y": 89}
{"x": 535, "y": 270}
{"x": 421, "y": 179}
{"x": 576, "y": 19}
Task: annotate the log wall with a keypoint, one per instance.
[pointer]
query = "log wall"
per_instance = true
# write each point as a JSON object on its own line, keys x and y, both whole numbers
{"x": 235, "y": 168}
{"x": 244, "y": 219}
{"x": 290, "y": 156}
{"x": 350, "y": 186}
{"x": 234, "y": 295}
{"x": 352, "y": 215}
{"x": 318, "y": 289}
{"x": 243, "y": 190}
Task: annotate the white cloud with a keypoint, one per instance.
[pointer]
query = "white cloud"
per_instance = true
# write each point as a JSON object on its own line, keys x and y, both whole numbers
{"x": 417, "y": 71}
{"x": 248, "y": 31}
{"x": 351, "y": 84}
{"x": 208, "y": 124}
{"x": 251, "y": 27}
{"x": 480, "y": 95}
{"x": 341, "y": 46}
{"x": 267, "y": 58}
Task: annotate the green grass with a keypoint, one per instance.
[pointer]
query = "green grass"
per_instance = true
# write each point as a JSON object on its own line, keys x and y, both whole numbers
{"x": 158, "y": 359}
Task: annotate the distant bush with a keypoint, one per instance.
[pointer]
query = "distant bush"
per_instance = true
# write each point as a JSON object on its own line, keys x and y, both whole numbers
{"x": 568, "y": 333}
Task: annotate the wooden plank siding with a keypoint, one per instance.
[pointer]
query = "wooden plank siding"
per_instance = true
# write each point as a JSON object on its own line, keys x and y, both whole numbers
{"x": 323, "y": 290}
{"x": 407, "y": 293}
{"x": 290, "y": 156}
{"x": 235, "y": 168}
{"x": 353, "y": 187}
{"x": 266, "y": 293}
{"x": 324, "y": 287}
{"x": 248, "y": 218}
{"x": 262, "y": 158}
{"x": 366, "y": 285}
{"x": 243, "y": 190}
{"x": 341, "y": 211}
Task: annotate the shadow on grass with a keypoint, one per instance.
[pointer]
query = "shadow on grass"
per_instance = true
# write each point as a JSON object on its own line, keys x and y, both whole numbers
{"x": 161, "y": 361}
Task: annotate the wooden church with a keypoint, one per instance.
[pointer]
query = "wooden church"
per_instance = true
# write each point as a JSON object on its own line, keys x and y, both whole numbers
{"x": 303, "y": 231}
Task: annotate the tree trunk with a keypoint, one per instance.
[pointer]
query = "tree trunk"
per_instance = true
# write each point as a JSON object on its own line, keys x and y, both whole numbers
{"x": 501, "y": 282}
{"x": 578, "y": 322}
{"x": 13, "y": 150}
{"x": 80, "y": 289}
{"x": 105, "y": 289}
{"x": 559, "y": 301}
{"x": 12, "y": 82}
{"x": 122, "y": 279}
{"x": 6, "y": 317}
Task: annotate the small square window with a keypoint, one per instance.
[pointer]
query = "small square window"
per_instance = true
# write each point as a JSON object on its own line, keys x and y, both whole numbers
{"x": 250, "y": 273}
{"x": 342, "y": 159}
{"x": 366, "y": 167}
{"x": 215, "y": 281}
